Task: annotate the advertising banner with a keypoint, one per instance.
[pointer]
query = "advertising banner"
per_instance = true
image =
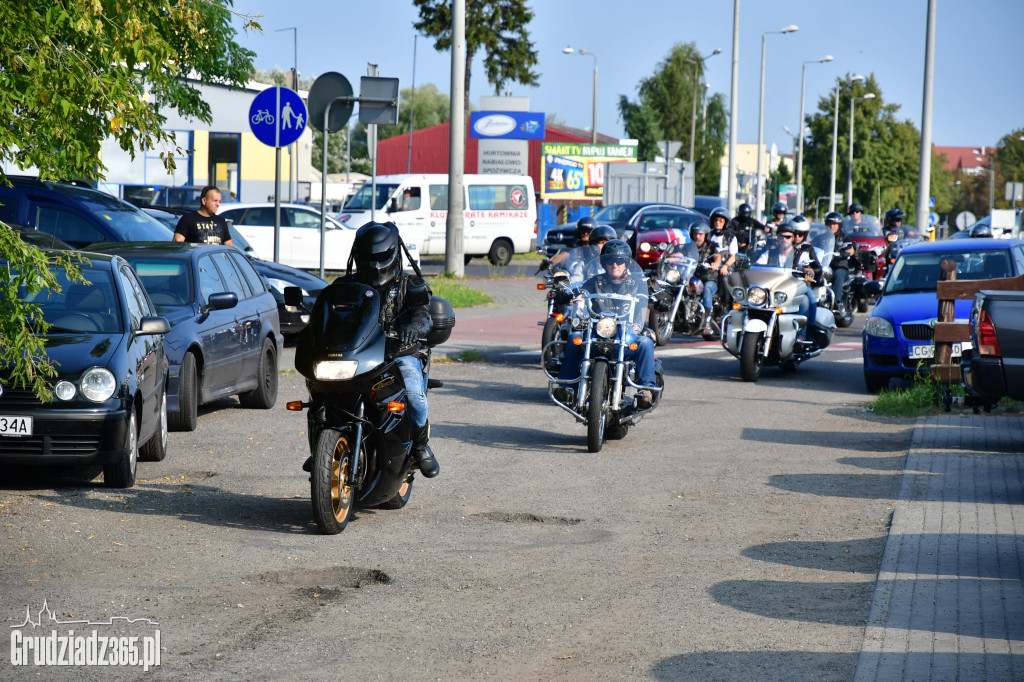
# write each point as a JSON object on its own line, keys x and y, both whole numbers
{"x": 507, "y": 125}
{"x": 575, "y": 171}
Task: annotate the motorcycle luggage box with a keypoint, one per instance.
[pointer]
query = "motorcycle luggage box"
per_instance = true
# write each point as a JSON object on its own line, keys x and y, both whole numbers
{"x": 442, "y": 317}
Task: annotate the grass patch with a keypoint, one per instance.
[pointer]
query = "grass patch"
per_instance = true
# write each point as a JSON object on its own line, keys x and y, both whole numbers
{"x": 926, "y": 396}
{"x": 457, "y": 293}
{"x": 469, "y": 355}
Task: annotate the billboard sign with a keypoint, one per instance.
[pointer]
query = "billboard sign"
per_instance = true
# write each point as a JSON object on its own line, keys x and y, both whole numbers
{"x": 575, "y": 171}
{"x": 507, "y": 125}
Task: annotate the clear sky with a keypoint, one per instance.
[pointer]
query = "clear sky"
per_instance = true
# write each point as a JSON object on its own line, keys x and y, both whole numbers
{"x": 979, "y": 55}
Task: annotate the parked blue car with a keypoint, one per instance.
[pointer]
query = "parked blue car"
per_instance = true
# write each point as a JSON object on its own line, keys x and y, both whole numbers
{"x": 898, "y": 334}
{"x": 225, "y": 336}
{"x": 109, "y": 402}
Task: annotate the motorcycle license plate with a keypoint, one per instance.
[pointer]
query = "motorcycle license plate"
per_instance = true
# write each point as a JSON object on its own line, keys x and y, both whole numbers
{"x": 928, "y": 351}
{"x": 15, "y": 426}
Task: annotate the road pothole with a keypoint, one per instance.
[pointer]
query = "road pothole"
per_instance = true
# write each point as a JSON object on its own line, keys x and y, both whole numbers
{"x": 522, "y": 517}
{"x": 328, "y": 579}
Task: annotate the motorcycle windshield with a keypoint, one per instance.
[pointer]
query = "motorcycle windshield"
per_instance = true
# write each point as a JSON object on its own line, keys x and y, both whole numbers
{"x": 621, "y": 290}
{"x": 867, "y": 226}
{"x": 346, "y": 316}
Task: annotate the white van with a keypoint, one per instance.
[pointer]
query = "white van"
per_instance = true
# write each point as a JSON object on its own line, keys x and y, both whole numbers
{"x": 500, "y": 215}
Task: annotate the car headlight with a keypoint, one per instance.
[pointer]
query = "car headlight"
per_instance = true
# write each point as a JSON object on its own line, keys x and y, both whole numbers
{"x": 98, "y": 384}
{"x": 662, "y": 246}
{"x": 672, "y": 276}
{"x": 645, "y": 247}
{"x": 278, "y": 285}
{"x": 757, "y": 296}
{"x": 64, "y": 390}
{"x": 879, "y": 326}
{"x": 335, "y": 370}
{"x": 738, "y": 294}
{"x": 606, "y": 327}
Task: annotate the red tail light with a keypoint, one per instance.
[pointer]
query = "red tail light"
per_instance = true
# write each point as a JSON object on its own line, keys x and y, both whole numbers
{"x": 988, "y": 344}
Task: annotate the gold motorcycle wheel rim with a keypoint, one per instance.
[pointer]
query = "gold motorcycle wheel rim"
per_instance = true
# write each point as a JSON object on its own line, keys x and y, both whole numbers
{"x": 341, "y": 491}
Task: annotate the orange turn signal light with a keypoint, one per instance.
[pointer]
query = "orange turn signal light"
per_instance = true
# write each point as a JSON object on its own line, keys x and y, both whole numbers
{"x": 559, "y": 317}
{"x": 735, "y": 306}
{"x": 634, "y": 345}
{"x": 395, "y": 406}
{"x": 778, "y": 311}
{"x": 296, "y": 405}
{"x": 542, "y": 286}
{"x": 577, "y": 341}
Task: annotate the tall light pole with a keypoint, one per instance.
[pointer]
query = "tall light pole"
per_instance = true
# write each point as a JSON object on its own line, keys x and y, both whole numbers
{"x": 800, "y": 156}
{"x": 693, "y": 116}
{"x": 593, "y": 120}
{"x": 849, "y": 171}
{"x": 758, "y": 194}
{"x": 835, "y": 142}
{"x": 734, "y": 89}
{"x": 412, "y": 103}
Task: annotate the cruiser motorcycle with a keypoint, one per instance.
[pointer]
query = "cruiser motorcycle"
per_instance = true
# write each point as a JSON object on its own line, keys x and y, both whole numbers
{"x": 763, "y": 325}
{"x": 677, "y": 294}
{"x": 360, "y": 436}
{"x": 602, "y": 324}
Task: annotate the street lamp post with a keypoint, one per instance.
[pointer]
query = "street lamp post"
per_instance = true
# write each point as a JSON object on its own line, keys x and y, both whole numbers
{"x": 849, "y": 171}
{"x": 593, "y": 121}
{"x": 835, "y": 143}
{"x": 800, "y": 156}
{"x": 982, "y": 155}
{"x": 758, "y": 195}
{"x": 693, "y": 115}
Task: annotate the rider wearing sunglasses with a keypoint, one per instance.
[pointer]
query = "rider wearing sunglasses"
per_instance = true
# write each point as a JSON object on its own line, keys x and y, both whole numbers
{"x": 621, "y": 276}
{"x": 793, "y": 251}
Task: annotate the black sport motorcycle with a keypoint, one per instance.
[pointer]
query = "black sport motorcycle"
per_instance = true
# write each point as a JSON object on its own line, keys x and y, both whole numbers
{"x": 360, "y": 435}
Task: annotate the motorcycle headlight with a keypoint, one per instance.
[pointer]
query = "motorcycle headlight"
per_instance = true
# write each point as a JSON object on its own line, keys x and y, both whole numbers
{"x": 757, "y": 296}
{"x": 781, "y": 297}
{"x": 879, "y": 326}
{"x": 335, "y": 370}
{"x": 606, "y": 327}
{"x": 98, "y": 384}
{"x": 662, "y": 246}
{"x": 672, "y": 276}
{"x": 739, "y": 295}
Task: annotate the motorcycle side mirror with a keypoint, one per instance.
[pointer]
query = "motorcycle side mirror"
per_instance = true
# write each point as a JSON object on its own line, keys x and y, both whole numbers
{"x": 872, "y": 289}
{"x": 293, "y": 296}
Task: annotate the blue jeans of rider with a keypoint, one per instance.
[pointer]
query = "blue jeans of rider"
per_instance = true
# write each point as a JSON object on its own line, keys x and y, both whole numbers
{"x": 808, "y": 306}
{"x": 415, "y": 380}
{"x": 710, "y": 289}
{"x": 839, "y": 277}
{"x": 643, "y": 355}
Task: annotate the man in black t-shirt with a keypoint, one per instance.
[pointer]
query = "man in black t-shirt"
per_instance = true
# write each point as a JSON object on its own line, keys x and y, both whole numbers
{"x": 204, "y": 226}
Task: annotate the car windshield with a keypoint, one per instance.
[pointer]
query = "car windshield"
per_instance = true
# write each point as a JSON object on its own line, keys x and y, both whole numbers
{"x": 920, "y": 271}
{"x": 77, "y": 307}
{"x": 130, "y": 224}
{"x": 616, "y": 213}
{"x": 168, "y": 281}
{"x": 360, "y": 201}
{"x": 867, "y": 226}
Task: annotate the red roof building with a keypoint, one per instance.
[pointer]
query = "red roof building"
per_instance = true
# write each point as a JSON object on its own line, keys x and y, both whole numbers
{"x": 963, "y": 159}
{"x": 430, "y": 150}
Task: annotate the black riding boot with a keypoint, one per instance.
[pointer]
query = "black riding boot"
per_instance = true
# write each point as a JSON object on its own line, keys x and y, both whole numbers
{"x": 422, "y": 453}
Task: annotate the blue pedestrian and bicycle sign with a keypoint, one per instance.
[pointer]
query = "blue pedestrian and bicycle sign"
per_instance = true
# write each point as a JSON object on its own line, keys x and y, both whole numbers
{"x": 277, "y": 117}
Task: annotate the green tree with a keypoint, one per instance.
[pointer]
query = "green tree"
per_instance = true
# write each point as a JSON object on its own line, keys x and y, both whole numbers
{"x": 497, "y": 27}
{"x": 73, "y": 75}
{"x": 663, "y": 110}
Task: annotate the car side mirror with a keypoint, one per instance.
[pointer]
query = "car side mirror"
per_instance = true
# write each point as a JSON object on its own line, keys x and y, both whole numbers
{"x": 151, "y": 325}
{"x": 293, "y": 296}
{"x": 222, "y": 301}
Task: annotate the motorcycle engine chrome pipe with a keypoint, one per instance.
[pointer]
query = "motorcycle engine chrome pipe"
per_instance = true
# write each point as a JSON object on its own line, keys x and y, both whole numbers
{"x": 355, "y": 478}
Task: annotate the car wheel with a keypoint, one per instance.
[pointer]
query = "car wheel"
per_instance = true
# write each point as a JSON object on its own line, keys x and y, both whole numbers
{"x": 501, "y": 252}
{"x": 188, "y": 397}
{"x": 121, "y": 474}
{"x": 264, "y": 395}
{"x": 155, "y": 448}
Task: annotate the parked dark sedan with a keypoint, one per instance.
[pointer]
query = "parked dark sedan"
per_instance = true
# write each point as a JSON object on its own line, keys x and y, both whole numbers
{"x": 619, "y": 216}
{"x": 225, "y": 336}
{"x": 110, "y": 395}
{"x": 277, "y": 276}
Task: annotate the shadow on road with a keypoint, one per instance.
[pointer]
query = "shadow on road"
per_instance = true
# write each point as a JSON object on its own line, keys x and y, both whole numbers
{"x": 742, "y": 666}
{"x": 859, "y": 556}
{"x": 857, "y": 442}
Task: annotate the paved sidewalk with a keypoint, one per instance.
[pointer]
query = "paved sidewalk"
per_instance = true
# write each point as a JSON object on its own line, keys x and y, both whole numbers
{"x": 949, "y": 602}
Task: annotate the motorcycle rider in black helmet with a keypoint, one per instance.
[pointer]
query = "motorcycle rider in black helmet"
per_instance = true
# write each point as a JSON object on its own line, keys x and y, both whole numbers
{"x": 621, "y": 276}
{"x": 727, "y": 244}
{"x": 584, "y": 226}
{"x": 894, "y": 223}
{"x": 377, "y": 254}
{"x": 746, "y": 228}
{"x": 779, "y": 211}
{"x": 844, "y": 259}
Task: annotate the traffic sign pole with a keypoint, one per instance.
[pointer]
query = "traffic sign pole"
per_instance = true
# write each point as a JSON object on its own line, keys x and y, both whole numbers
{"x": 277, "y": 179}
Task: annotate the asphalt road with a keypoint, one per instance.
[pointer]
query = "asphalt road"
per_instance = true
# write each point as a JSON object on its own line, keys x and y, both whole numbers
{"x": 735, "y": 534}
